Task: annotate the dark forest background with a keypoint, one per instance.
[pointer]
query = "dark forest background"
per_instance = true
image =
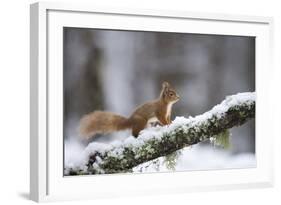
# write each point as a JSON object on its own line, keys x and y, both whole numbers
{"x": 118, "y": 70}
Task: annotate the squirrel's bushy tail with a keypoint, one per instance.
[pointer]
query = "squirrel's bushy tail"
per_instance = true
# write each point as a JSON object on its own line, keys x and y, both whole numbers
{"x": 99, "y": 122}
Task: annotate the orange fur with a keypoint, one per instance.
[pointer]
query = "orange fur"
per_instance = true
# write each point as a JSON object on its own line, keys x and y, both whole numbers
{"x": 106, "y": 122}
{"x": 102, "y": 122}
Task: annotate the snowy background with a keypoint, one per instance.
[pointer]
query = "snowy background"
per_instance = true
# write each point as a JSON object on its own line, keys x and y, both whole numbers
{"x": 118, "y": 70}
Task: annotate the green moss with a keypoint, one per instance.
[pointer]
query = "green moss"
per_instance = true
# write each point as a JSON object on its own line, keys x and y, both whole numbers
{"x": 170, "y": 160}
{"x": 222, "y": 139}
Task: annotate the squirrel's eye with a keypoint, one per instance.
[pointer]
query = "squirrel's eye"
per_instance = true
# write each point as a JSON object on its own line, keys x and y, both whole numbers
{"x": 171, "y": 94}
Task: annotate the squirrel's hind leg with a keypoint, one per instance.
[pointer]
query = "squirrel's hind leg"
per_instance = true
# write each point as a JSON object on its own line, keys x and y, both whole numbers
{"x": 138, "y": 125}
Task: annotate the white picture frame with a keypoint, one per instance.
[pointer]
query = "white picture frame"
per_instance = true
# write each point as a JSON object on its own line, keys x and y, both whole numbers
{"x": 46, "y": 156}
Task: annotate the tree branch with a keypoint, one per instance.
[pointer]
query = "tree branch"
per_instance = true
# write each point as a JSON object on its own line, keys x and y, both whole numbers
{"x": 152, "y": 143}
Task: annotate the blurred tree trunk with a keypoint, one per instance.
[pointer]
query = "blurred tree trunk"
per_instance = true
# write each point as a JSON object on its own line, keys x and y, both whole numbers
{"x": 82, "y": 82}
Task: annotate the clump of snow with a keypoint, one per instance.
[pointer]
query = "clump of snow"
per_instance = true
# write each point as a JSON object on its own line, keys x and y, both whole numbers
{"x": 76, "y": 155}
{"x": 218, "y": 110}
{"x": 99, "y": 147}
{"x": 233, "y": 100}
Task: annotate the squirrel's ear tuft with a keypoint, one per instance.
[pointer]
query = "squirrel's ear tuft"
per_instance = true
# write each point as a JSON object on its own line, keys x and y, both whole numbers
{"x": 165, "y": 84}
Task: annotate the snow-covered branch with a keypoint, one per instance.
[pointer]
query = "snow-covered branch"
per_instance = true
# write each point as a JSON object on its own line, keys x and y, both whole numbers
{"x": 155, "y": 142}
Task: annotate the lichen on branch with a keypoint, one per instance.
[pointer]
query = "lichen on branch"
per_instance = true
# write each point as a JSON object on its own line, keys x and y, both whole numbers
{"x": 156, "y": 142}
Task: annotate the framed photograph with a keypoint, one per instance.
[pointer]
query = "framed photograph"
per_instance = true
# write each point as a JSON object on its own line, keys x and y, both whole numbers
{"x": 128, "y": 102}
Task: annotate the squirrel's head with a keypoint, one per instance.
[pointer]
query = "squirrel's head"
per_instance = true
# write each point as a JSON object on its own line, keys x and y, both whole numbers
{"x": 168, "y": 93}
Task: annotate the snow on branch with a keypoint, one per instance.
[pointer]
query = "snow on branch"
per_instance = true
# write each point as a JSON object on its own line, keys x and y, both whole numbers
{"x": 155, "y": 142}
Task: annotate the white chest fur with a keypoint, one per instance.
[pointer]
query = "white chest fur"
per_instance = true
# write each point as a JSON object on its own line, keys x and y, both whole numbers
{"x": 169, "y": 109}
{"x": 154, "y": 119}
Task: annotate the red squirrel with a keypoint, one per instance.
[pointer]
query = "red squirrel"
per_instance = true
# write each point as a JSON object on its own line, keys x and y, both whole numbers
{"x": 99, "y": 122}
